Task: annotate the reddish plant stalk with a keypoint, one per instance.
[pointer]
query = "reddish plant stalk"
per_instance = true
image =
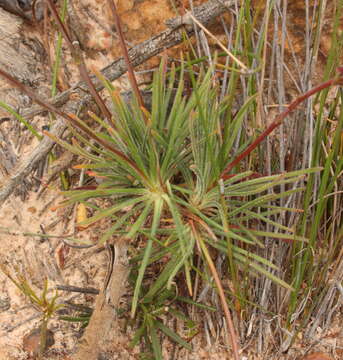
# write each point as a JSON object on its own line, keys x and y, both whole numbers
{"x": 78, "y": 58}
{"x": 279, "y": 119}
{"x": 131, "y": 74}
{"x": 72, "y": 119}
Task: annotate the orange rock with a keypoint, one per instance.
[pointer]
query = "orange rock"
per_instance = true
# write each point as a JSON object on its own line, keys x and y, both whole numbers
{"x": 317, "y": 356}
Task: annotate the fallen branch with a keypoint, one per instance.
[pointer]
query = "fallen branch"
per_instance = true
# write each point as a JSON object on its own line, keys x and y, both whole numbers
{"x": 104, "y": 319}
{"x": 205, "y": 14}
{"x": 142, "y": 52}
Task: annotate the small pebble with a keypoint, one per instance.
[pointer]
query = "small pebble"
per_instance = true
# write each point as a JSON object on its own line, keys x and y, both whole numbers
{"x": 32, "y": 339}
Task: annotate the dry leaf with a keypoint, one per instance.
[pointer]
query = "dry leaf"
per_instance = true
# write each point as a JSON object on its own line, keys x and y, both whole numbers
{"x": 81, "y": 215}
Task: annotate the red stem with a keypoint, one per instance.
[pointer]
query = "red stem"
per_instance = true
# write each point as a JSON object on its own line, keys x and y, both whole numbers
{"x": 70, "y": 118}
{"x": 232, "y": 336}
{"x": 78, "y": 58}
{"x": 131, "y": 74}
{"x": 278, "y": 121}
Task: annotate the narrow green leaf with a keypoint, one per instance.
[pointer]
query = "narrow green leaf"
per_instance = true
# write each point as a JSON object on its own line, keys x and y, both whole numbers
{"x": 155, "y": 341}
{"x": 158, "y": 205}
{"x": 170, "y": 333}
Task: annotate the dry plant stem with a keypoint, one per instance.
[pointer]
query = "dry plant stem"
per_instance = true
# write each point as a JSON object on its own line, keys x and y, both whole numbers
{"x": 42, "y": 340}
{"x": 138, "y": 55}
{"x": 326, "y": 301}
{"x": 78, "y": 58}
{"x": 131, "y": 74}
{"x": 78, "y": 289}
{"x": 71, "y": 118}
{"x": 233, "y": 57}
{"x": 21, "y": 323}
{"x": 59, "y": 165}
{"x": 232, "y": 334}
{"x": 278, "y": 121}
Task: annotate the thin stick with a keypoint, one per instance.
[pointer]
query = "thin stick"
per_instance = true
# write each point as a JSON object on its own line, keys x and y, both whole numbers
{"x": 233, "y": 57}
{"x": 83, "y": 290}
{"x": 78, "y": 58}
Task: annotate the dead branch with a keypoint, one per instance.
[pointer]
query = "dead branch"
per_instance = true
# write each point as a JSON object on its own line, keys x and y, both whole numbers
{"x": 104, "y": 319}
{"x": 142, "y": 52}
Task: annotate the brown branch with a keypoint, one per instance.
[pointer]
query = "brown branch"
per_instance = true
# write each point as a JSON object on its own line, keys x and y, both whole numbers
{"x": 205, "y": 13}
{"x": 142, "y": 52}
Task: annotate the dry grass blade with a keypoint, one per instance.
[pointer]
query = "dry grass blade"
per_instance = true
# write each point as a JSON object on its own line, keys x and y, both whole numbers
{"x": 202, "y": 27}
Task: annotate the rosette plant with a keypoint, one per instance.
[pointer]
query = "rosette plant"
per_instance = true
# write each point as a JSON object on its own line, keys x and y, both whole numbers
{"x": 174, "y": 176}
{"x": 167, "y": 173}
